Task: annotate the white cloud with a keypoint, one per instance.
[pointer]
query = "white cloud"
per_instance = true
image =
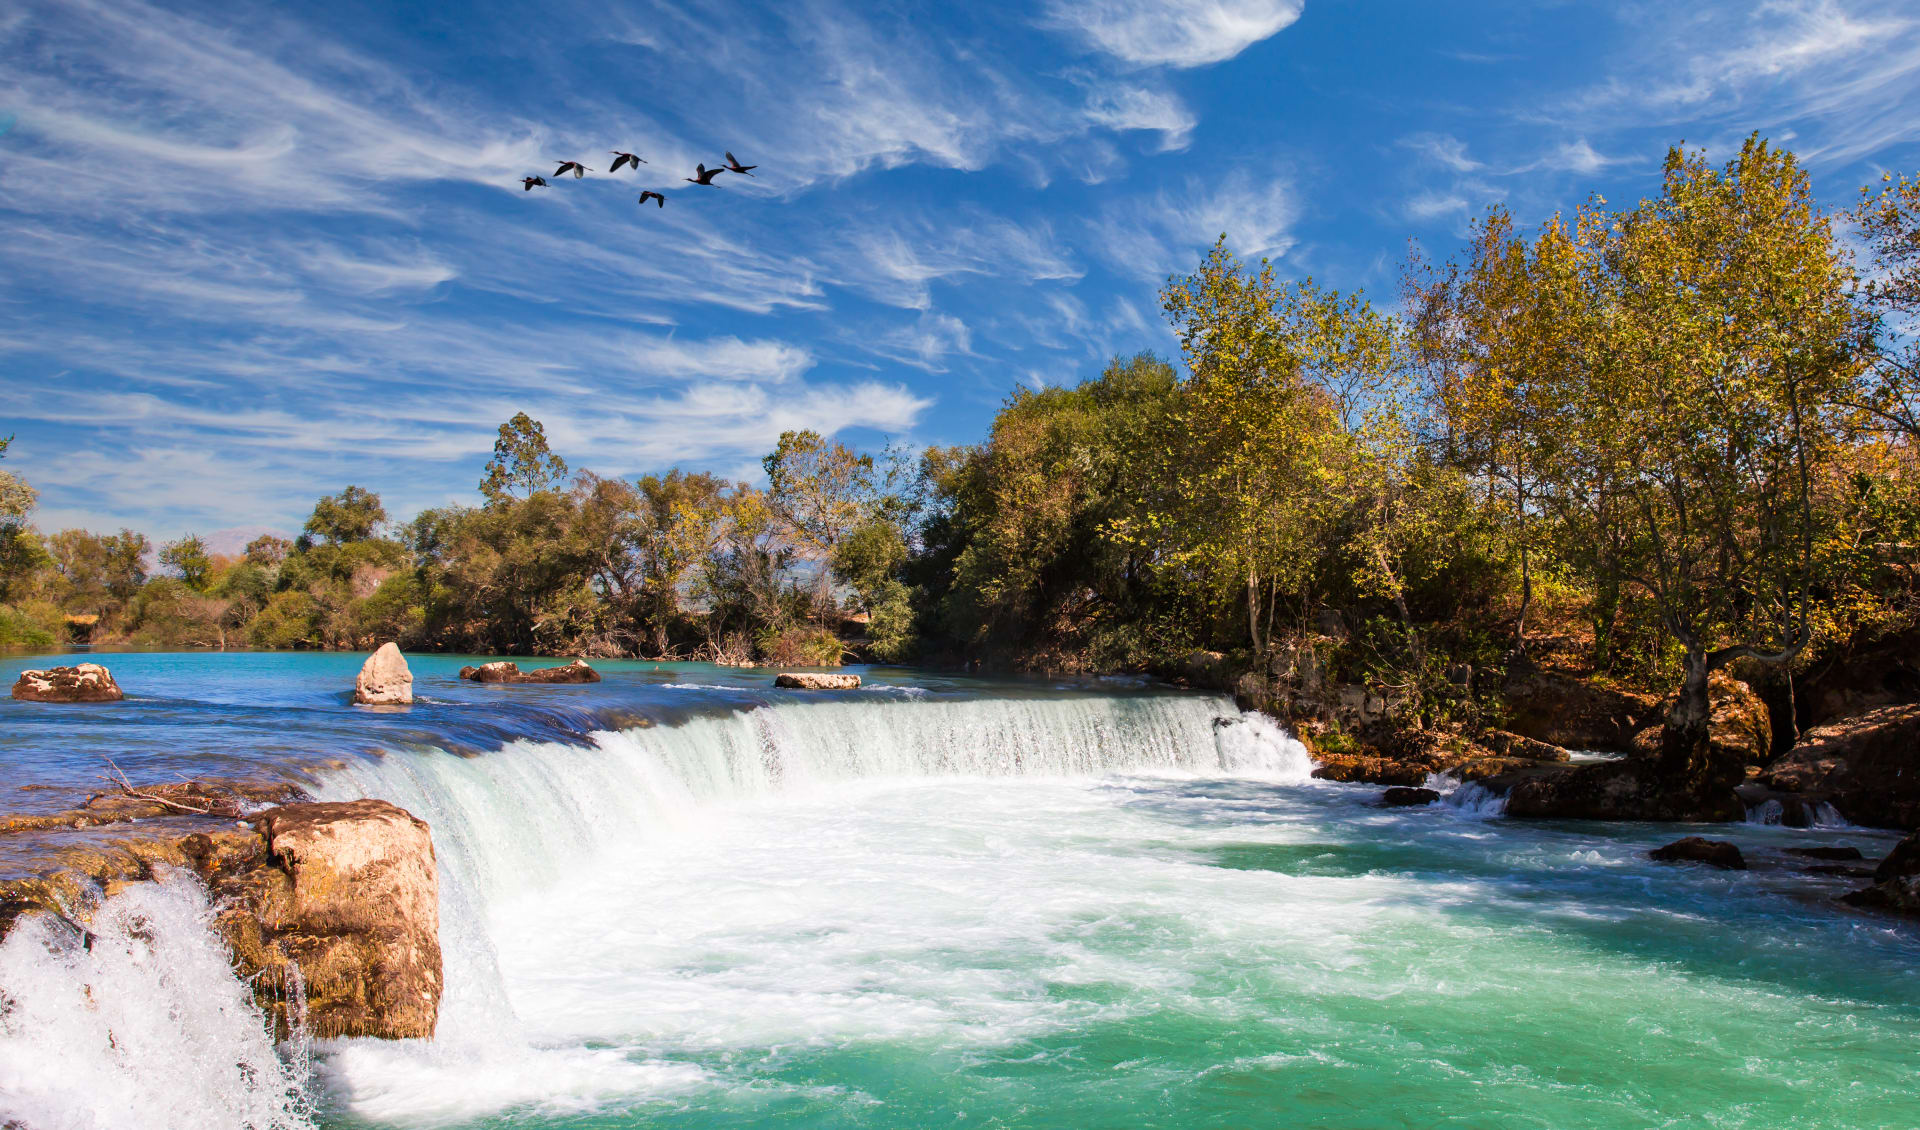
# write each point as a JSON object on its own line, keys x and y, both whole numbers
{"x": 1136, "y": 108}
{"x": 1180, "y": 33}
{"x": 1443, "y": 149}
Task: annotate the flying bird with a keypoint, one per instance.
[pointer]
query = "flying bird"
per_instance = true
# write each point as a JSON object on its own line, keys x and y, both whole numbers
{"x": 703, "y": 175}
{"x": 734, "y": 166}
{"x": 531, "y": 183}
{"x": 652, "y": 195}
{"x": 579, "y": 170}
{"x": 621, "y": 157}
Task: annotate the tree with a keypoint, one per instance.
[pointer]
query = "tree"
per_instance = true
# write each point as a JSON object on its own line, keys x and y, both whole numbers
{"x": 188, "y": 557}
{"x": 20, "y": 551}
{"x": 1712, "y": 404}
{"x": 339, "y": 519}
{"x": 267, "y": 551}
{"x": 1889, "y": 221}
{"x": 521, "y": 463}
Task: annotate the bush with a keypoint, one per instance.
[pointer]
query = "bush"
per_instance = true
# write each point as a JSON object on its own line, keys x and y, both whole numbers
{"x": 803, "y": 645}
{"x": 290, "y": 620}
{"x": 22, "y": 631}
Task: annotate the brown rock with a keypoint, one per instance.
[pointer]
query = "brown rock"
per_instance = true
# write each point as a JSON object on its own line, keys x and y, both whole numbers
{"x": 384, "y": 679}
{"x": 1738, "y": 729}
{"x": 1902, "y": 862}
{"x": 1558, "y": 709}
{"x": 88, "y": 682}
{"x": 503, "y": 672}
{"x": 1896, "y": 884}
{"x": 1867, "y": 766}
{"x": 816, "y": 681}
{"x": 1506, "y": 743}
{"x": 1830, "y": 853}
{"x": 1696, "y": 849}
{"x": 1403, "y": 797}
{"x": 1633, "y": 789}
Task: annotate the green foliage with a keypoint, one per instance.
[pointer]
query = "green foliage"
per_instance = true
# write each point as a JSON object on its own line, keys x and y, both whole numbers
{"x": 290, "y": 621}
{"x": 800, "y": 645}
{"x": 188, "y": 558}
{"x": 522, "y": 464}
{"x": 338, "y": 519}
{"x": 20, "y": 630}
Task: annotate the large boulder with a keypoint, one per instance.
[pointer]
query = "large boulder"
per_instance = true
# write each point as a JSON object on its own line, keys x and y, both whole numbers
{"x": 88, "y": 682}
{"x": 1867, "y": 766}
{"x": 816, "y": 681}
{"x": 1896, "y": 882}
{"x": 354, "y": 903}
{"x": 504, "y": 672}
{"x": 1697, "y": 849}
{"x": 1401, "y": 796}
{"x": 1559, "y": 709}
{"x": 1506, "y": 743}
{"x": 384, "y": 679}
{"x": 1633, "y": 789}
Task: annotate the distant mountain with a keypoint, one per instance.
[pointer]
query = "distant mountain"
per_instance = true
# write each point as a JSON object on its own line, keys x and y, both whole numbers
{"x": 233, "y": 542}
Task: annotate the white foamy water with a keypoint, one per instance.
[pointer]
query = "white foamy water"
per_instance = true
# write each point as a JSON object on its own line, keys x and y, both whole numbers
{"x": 147, "y": 1028}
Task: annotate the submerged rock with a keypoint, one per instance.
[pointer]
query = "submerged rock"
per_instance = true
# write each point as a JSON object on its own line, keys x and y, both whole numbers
{"x": 1896, "y": 882}
{"x": 1868, "y": 766}
{"x": 87, "y": 682}
{"x": 1633, "y": 789}
{"x": 1402, "y": 797}
{"x": 505, "y": 672}
{"x": 816, "y": 681}
{"x": 1698, "y": 849}
{"x": 1842, "y": 852}
{"x": 384, "y": 679}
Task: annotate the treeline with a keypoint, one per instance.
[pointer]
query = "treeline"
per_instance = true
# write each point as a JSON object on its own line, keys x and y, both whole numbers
{"x": 1663, "y": 439}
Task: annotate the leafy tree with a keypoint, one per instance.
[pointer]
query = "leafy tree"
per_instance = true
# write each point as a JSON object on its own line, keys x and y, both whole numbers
{"x": 20, "y": 550}
{"x": 1889, "y": 221}
{"x": 267, "y": 551}
{"x": 338, "y": 519}
{"x": 522, "y": 464}
{"x": 188, "y": 557}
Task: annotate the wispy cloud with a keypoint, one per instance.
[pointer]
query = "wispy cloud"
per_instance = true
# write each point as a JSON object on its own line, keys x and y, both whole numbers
{"x": 1179, "y": 33}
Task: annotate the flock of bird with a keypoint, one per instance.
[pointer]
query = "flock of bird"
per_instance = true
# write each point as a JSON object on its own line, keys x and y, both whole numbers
{"x": 701, "y": 174}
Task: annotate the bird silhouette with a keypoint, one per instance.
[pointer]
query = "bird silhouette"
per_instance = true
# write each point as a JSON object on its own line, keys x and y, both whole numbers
{"x": 703, "y": 175}
{"x": 621, "y": 157}
{"x": 652, "y": 195}
{"x": 530, "y": 183}
{"x": 578, "y": 169}
{"x": 734, "y": 166}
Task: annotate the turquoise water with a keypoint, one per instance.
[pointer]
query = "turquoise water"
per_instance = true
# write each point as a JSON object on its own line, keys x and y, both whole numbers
{"x": 1028, "y": 905}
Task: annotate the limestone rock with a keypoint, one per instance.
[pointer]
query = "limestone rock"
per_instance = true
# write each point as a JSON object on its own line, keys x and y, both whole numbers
{"x": 1403, "y": 797}
{"x": 1697, "y": 849}
{"x": 1633, "y": 789}
{"x": 504, "y": 672}
{"x": 1561, "y": 710}
{"x": 1868, "y": 766}
{"x": 356, "y": 904}
{"x": 1506, "y": 743}
{"x": 1738, "y": 727}
{"x": 816, "y": 681}
{"x": 384, "y": 679}
{"x": 88, "y": 682}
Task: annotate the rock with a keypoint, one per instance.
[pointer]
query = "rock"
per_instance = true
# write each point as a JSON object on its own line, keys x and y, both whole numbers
{"x": 1402, "y": 797}
{"x": 1696, "y": 849}
{"x": 504, "y": 672}
{"x": 1558, "y": 709}
{"x": 384, "y": 679}
{"x": 1896, "y": 885}
{"x": 356, "y": 904}
{"x": 1867, "y": 766}
{"x": 816, "y": 681}
{"x": 1738, "y": 727}
{"x": 1633, "y": 789}
{"x": 1841, "y": 871}
{"x": 1208, "y": 669}
{"x": 1830, "y": 853}
{"x": 1872, "y": 674}
{"x": 1508, "y": 744}
{"x": 88, "y": 682}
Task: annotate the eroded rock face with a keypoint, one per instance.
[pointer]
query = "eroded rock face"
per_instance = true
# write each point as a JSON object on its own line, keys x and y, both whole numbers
{"x": 1738, "y": 729}
{"x": 87, "y": 682}
{"x": 355, "y": 903}
{"x": 1506, "y": 743}
{"x": 1868, "y": 766}
{"x": 1558, "y": 709}
{"x": 505, "y": 672}
{"x": 384, "y": 679}
{"x": 816, "y": 681}
{"x": 1633, "y": 789}
{"x": 1697, "y": 849}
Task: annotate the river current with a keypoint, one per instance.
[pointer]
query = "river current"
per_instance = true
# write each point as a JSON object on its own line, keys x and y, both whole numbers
{"x": 680, "y": 898}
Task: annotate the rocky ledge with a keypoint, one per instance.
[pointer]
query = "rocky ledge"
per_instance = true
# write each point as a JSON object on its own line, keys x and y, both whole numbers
{"x": 503, "y": 672}
{"x": 341, "y": 898}
{"x": 1896, "y": 882}
{"x": 88, "y": 682}
{"x": 816, "y": 681}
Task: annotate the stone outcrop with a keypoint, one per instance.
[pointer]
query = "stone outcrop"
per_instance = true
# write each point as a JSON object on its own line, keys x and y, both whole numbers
{"x": 1738, "y": 727}
{"x": 1559, "y": 709}
{"x": 1633, "y": 789}
{"x": 87, "y": 682}
{"x": 1401, "y": 796}
{"x": 816, "y": 681}
{"x": 1896, "y": 882}
{"x": 1867, "y": 766}
{"x": 1838, "y": 853}
{"x": 384, "y": 679}
{"x": 1506, "y": 743}
{"x": 1408, "y": 757}
{"x": 504, "y": 672}
{"x": 1697, "y": 849}
{"x": 339, "y": 900}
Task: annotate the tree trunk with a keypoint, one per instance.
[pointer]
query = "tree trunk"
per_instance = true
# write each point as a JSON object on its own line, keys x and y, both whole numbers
{"x": 1683, "y": 744}
{"x": 1253, "y": 611}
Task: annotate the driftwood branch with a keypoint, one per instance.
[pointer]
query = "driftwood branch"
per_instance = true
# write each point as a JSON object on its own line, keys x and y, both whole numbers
{"x": 118, "y": 779}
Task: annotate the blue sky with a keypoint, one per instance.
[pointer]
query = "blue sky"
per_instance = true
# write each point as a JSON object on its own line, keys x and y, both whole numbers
{"x": 256, "y": 252}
